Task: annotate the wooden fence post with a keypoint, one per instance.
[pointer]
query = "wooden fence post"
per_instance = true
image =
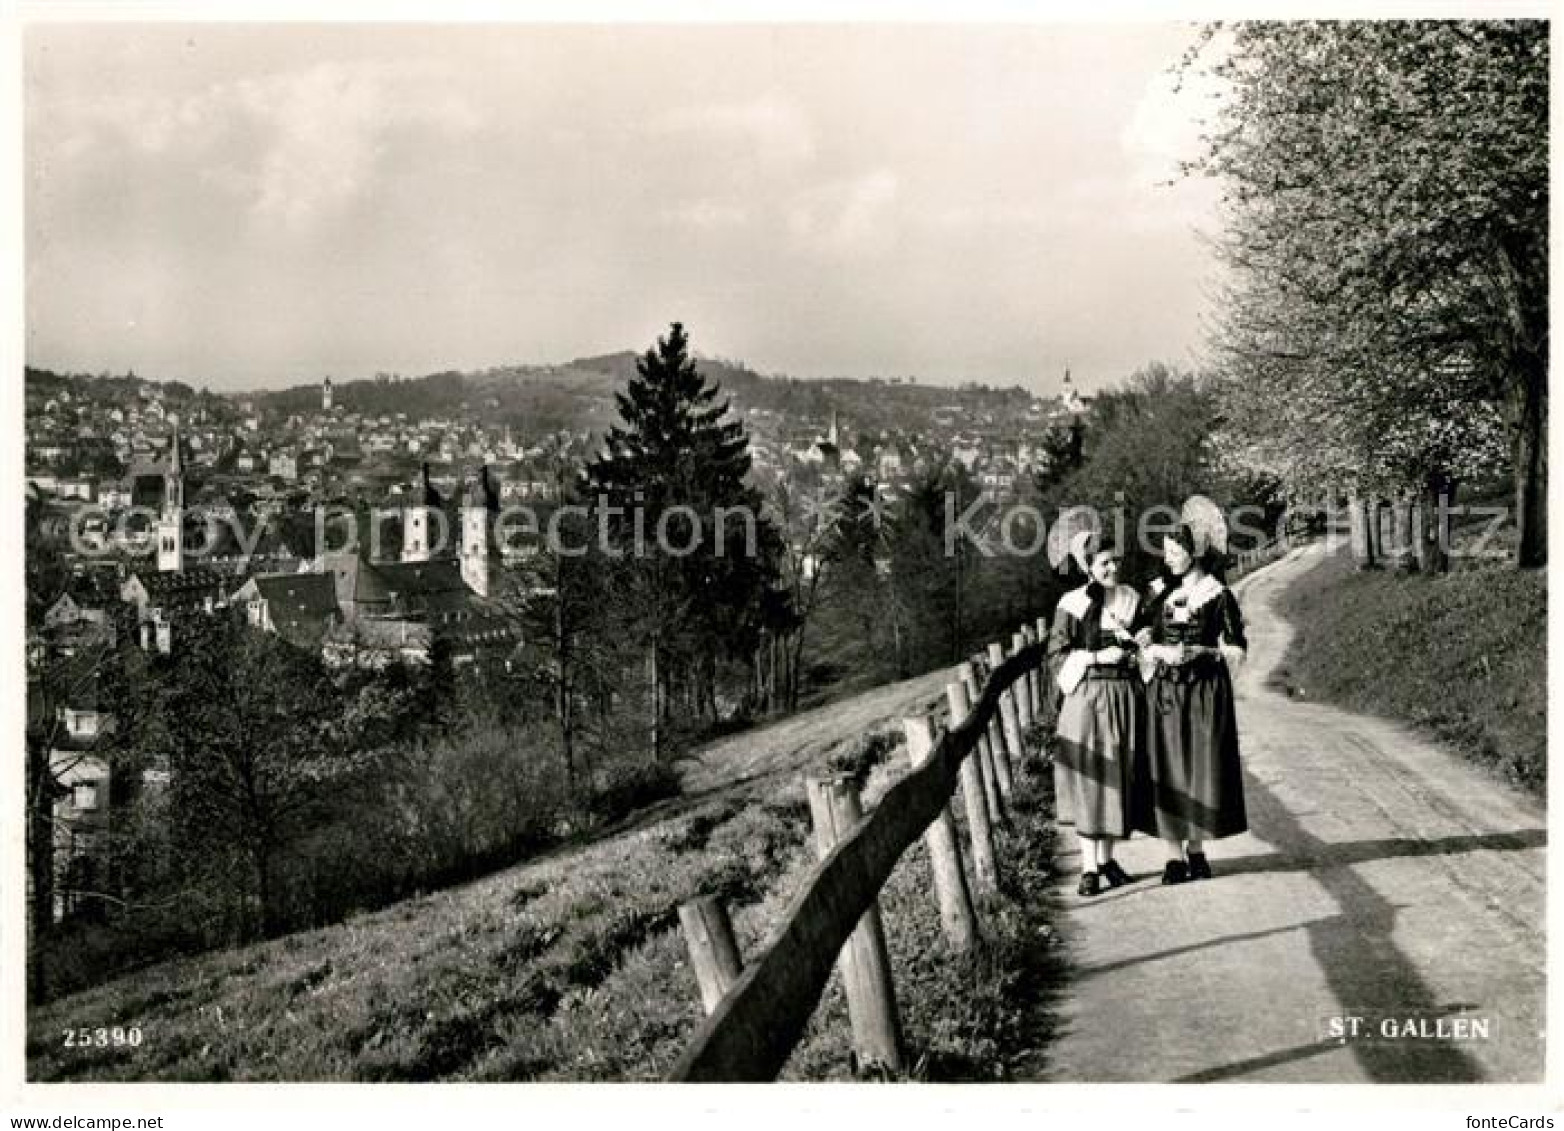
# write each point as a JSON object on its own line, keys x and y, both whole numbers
{"x": 1007, "y": 710}
{"x": 956, "y": 915}
{"x": 1022, "y": 687}
{"x": 960, "y": 707}
{"x": 865, "y": 962}
{"x": 1045, "y": 683}
{"x": 714, "y": 953}
{"x": 985, "y": 869}
{"x": 1034, "y": 684}
{"x": 991, "y": 744}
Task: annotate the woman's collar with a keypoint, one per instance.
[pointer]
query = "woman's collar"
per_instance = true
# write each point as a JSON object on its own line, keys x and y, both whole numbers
{"x": 1118, "y": 599}
{"x": 1202, "y": 591}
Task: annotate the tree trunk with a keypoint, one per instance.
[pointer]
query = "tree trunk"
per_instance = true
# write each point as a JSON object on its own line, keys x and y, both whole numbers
{"x": 1403, "y": 544}
{"x": 1359, "y": 513}
{"x": 714, "y": 710}
{"x": 655, "y": 680}
{"x": 1376, "y": 528}
{"x": 40, "y": 868}
{"x": 564, "y": 698}
{"x": 261, "y": 855}
{"x": 797, "y": 666}
{"x": 897, "y": 643}
{"x": 1433, "y": 524}
{"x": 1529, "y": 457}
{"x": 565, "y": 709}
{"x": 767, "y": 672}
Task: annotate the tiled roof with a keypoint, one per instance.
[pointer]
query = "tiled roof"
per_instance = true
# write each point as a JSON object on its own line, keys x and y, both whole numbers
{"x": 301, "y": 605}
{"x": 195, "y": 582}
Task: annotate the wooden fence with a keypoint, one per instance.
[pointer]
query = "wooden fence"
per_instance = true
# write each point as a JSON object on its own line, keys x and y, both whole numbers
{"x": 755, "y": 1016}
{"x": 1266, "y": 552}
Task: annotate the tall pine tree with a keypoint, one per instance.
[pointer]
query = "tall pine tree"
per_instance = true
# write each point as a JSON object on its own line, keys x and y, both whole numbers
{"x": 693, "y": 558}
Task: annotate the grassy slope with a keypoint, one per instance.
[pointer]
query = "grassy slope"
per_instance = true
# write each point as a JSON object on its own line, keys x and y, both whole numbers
{"x": 571, "y": 968}
{"x": 1462, "y": 656}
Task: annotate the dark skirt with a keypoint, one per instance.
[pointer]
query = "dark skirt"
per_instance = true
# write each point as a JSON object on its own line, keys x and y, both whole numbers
{"x": 1099, "y": 727}
{"x": 1193, "y": 786}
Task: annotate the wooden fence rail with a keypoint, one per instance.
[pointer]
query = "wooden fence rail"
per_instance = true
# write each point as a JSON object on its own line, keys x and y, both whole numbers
{"x": 753, "y": 1029}
{"x": 1263, "y": 554}
{"x": 755, "y": 1016}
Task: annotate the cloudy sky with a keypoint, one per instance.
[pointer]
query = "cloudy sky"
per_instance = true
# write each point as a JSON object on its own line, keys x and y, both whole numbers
{"x": 257, "y": 206}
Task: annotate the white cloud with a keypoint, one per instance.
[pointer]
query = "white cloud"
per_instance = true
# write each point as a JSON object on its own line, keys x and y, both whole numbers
{"x": 707, "y": 215}
{"x": 330, "y": 124}
{"x": 296, "y": 145}
{"x": 769, "y": 127}
{"x": 855, "y": 214}
{"x": 415, "y": 198}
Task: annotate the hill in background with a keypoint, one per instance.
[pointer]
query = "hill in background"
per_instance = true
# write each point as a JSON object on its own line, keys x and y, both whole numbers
{"x": 579, "y": 395}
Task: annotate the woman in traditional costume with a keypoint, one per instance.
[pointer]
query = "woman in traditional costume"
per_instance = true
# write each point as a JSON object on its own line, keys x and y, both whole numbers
{"x": 1091, "y": 657}
{"x": 1193, "y": 789}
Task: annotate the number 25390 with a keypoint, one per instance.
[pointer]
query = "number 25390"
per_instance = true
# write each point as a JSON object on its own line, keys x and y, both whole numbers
{"x": 103, "y": 1038}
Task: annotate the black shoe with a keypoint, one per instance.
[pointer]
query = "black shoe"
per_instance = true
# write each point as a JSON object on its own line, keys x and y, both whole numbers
{"x": 1199, "y": 866}
{"x": 1176, "y": 872}
{"x": 1115, "y": 876}
{"x": 1089, "y": 886}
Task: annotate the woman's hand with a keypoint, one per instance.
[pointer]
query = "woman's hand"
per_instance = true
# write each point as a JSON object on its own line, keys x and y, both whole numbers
{"x": 1143, "y": 637}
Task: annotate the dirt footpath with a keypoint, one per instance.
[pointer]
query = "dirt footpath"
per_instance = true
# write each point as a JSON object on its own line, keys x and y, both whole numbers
{"x": 809, "y": 738}
{"x": 1382, "y": 880}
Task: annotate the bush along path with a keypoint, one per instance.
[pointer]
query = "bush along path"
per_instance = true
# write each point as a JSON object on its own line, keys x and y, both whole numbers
{"x": 1382, "y": 921}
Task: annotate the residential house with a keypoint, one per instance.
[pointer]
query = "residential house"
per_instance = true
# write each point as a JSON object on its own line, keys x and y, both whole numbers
{"x": 113, "y": 494}
{"x": 158, "y": 596}
{"x": 81, "y": 811}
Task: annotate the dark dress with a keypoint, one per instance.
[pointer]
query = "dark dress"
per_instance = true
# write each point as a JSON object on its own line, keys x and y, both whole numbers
{"x": 1100, "y": 721}
{"x": 1193, "y": 785}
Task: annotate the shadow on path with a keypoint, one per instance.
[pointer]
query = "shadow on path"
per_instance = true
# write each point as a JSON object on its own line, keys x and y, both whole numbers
{"x": 1356, "y": 950}
{"x": 1256, "y": 1063}
{"x": 1321, "y": 855}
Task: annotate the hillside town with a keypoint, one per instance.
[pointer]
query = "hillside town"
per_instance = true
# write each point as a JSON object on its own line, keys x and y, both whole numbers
{"x": 161, "y": 503}
{"x": 165, "y": 502}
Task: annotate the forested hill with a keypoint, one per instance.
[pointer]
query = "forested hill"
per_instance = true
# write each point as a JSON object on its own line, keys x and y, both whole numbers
{"x": 579, "y": 394}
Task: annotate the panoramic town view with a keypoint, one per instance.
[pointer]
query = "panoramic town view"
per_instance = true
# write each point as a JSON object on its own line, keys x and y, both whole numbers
{"x": 544, "y": 563}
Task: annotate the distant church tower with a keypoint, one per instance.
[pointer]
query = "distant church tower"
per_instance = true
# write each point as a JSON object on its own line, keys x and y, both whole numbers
{"x": 325, "y": 396}
{"x": 1072, "y": 399}
{"x": 480, "y": 503}
{"x": 170, "y": 525}
{"x": 416, "y": 524}
{"x": 834, "y": 436}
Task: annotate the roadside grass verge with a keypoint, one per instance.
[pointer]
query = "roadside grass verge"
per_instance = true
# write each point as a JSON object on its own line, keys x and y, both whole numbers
{"x": 571, "y": 968}
{"x": 1462, "y": 656}
{"x": 444, "y": 986}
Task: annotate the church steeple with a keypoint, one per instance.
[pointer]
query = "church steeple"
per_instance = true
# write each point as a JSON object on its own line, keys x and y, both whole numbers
{"x": 480, "y": 502}
{"x": 1069, "y": 397}
{"x": 170, "y": 529}
{"x": 174, "y": 478}
{"x": 423, "y": 522}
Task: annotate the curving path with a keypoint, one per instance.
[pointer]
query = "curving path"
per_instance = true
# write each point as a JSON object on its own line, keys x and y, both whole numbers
{"x": 784, "y": 749}
{"x": 1382, "y": 877}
